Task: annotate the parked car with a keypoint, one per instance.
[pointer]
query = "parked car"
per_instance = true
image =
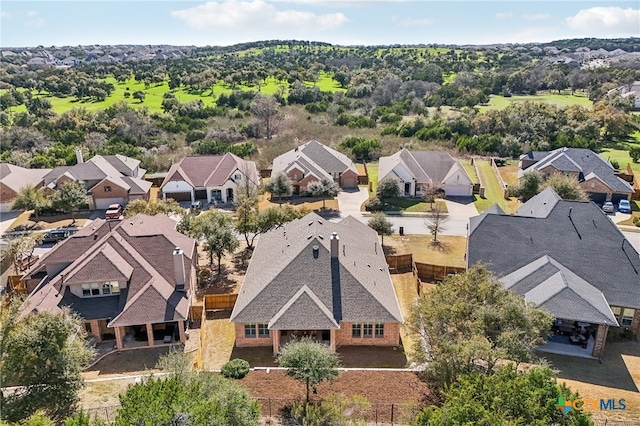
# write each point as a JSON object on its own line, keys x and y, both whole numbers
{"x": 114, "y": 211}
{"x": 55, "y": 236}
{"x": 196, "y": 206}
{"x": 608, "y": 207}
{"x": 624, "y": 206}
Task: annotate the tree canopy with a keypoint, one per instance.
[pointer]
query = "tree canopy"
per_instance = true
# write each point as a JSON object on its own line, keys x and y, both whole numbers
{"x": 31, "y": 198}
{"x": 152, "y": 207}
{"x": 387, "y": 188}
{"x": 381, "y": 225}
{"x": 217, "y": 231}
{"x": 71, "y": 196}
{"x": 279, "y": 185}
{"x": 324, "y": 188}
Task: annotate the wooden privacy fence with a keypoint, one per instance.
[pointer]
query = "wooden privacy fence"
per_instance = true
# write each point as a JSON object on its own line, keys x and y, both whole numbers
{"x": 219, "y": 301}
{"x": 401, "y": 263}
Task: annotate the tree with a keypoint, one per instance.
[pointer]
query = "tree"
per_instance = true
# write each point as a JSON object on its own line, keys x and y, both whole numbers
{"x": 266, "y": 111}
{"x": 45, "y": 354}
{"x": 217, "y": 230}
{"x": 469, "y": 322}
{"x": 429, "y": 192}
{"x": 387, "y": 188}
{"x": 19, "y": 247}
{"x": 634, "y": 153}
{"x": 309, "y": 361}
{"x": 437, "y": 217}
{"x": 31, "y": 198}
{"x": 70, "y": 196}
{"x": 247, "y": 216}
{"x": 529, "y": 185}
{"x": 504, "y": 398}
{"x": 381, "y": 225}
{"x": 139, "y": 95}
{"x": 323, "y": 188}
{"x": 279, "y": 185}
{"x": 567, "y": 187}
{"x": 153, "y": 207}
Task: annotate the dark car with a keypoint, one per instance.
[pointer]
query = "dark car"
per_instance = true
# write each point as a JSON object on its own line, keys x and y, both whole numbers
{"x": 55, "y": 236}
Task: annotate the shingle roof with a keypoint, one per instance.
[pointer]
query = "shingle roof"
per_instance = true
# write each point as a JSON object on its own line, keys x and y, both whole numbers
{"x": 138, "y": 251}
{"x": 585, "y": 162}
{"x": 313, "y": 156}
{"x": 353, "y": 287}
{"x": 574, "y": 233}
{"x": 425, "y": 166}
{"x": 16, "y": 177}
{"x": 540, "y": 205}
{"x": 125, "y": 165}
{"x": 551, "y": 286}
{"x": 210, "y": 170}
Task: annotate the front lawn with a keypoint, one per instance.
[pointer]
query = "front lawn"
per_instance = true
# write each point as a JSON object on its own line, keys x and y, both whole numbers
{"x": 415, "y": 205}
{"x": 622, "y": 156}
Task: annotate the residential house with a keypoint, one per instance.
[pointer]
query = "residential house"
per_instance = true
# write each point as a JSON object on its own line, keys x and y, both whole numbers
{"x": 416, "y": 172}
{"x": 109, "y": 179}
{"x": 567, "y": 257}
{"x": 129, "y": 280}
{"x": 314, "y": 161}
{"x": 216, "y": 178}
{"x": 13, "y": 179}
{"x": 312, "y": 277}
{"x": 595, "y": 174}
{"x": 631, "y": 91}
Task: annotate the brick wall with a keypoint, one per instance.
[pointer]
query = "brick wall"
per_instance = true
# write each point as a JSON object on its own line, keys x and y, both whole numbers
{"x": 243, "y": 342}
{"x": 6, "y": 194}
{"x": 601, "y": 339}
{"x": 597, "y": 188}
{"x": 635, "y": 324}
{"x": 391, "y": 336}
{"x": 116, "y": 191}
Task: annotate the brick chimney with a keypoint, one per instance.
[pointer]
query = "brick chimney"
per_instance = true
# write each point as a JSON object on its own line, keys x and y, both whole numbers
{"x": 335, "y": 244}
{"x": 178, "y": 266}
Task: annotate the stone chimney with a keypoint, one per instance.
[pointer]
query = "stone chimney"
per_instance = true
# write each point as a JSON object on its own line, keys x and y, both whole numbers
{"x": 79, "y": 158}
{"x": 335, "y": 244}
{"x": 178, "y": 266}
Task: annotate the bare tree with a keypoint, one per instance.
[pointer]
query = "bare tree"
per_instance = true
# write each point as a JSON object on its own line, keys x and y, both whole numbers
{"x": 266, "y": 111}
{"x": 437, "y": 218}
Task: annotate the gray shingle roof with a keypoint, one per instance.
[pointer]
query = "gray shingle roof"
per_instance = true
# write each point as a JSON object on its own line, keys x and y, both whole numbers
{"x": 574, "y": 233}
{"x": 354, "y": 287}
{"x": 315, "y": 157}
{"x": 540, "y": 205}
{"x": 550, "y": 286}
{"x": 425, "y": 166}
{"x": 16, "y": 177}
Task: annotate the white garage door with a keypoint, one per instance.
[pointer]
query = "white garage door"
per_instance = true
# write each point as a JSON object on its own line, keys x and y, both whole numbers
{"x": 103, "y": 203}
{"x": 458, "y": 190}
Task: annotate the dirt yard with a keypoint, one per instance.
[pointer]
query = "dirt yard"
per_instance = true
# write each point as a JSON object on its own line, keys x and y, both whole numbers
{"x": 28, "y": 222}
{"x": 450, "y": 251}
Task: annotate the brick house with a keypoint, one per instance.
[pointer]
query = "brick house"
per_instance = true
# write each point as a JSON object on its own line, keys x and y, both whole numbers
{"x": 129, "y": 280}
{"x": 566, "y": 257}
{"x": 314, "y": 161}
{"x": 321, "y": 279}
{"x": 109, "y": 179}
{"x": 13, "y": 179}
{"x": 596, "y": 175}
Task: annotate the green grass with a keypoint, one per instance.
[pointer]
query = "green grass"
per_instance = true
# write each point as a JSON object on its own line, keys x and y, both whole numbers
{"x": 326, "y": 83}
{"x": 500, "y": 102}
{"x": 468, "y": 167}
{"x": 493, "y": 192}
{"x": 372, "y": 170}
{"x": 622, "y": 157}
{"x": 414, "y": 205}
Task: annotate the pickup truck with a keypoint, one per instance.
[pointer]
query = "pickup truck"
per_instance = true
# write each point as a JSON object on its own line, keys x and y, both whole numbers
{"x": 113, "y": 211}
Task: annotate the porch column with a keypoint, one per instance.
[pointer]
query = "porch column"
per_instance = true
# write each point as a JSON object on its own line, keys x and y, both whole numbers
{"x": 332, "y": 339}
{"x": 193, "y": 195}
{"x": 183, "y": 337}
{"x": 95, "y": 330}
{"x": 601, "y": 339}
{"x": 164, "y": 196}
{"x": 275, "y": 336}
{"x": 150, "y": 334}
{"x": 118, "y": 331}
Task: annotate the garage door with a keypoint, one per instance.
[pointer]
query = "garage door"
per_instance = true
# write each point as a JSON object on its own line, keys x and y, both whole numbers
{"x": 350, "y": 182}
{"x": 458, "y": 190}
{"x": 615, "y": 198}
{"x": 179, "y": 196}
{"x": 103, "y": 203}
{"x": 598, "y": 198}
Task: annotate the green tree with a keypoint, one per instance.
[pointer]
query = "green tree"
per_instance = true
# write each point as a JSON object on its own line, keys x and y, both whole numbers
{"x": 381, "y": 225}
{"x": 217, "y": 231}
{"x": 309, "y": 362}
{"x": 324, "y": 189}
{"x": 247, "y": 215}
{"x": 567, "y": 187}
{"x": 153, "y": 207}
{"x": 71, "y": 196}
{"x": 279, "y": 185}
{"x": 44, "y": 353}
{"x": 470, "y": 322}
{"x": 507, "y": 397}
{"x": 529, "y": 185}
{"x": 31, "y": 198}
{"x": 634, "y": 153}
{"x": 139, "y": 95}
{"x": 387, "y": 188}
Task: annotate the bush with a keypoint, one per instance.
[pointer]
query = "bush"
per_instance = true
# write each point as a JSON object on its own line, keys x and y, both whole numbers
{"x": 373, "y": 205}
{"x": 636, "y": 220}
{"x": 235, "y": 369}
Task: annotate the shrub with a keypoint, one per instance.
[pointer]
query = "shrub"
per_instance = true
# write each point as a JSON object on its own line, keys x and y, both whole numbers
{"x": 373, "y": 205}
{"x": 235, "y": 369}
{"x": 634, "y": 153}
{"x": 636, "y": 220}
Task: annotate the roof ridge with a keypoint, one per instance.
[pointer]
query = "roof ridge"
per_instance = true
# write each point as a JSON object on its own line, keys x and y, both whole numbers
{"x": 303, "y": 290}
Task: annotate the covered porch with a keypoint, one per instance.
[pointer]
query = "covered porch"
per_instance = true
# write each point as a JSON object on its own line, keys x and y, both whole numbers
{"x": 139, "y": 335}
{"x": 576, "y": 338}
{"x": 282, "y": 337}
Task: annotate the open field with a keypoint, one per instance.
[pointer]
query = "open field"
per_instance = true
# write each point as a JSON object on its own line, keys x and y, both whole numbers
{"x": 450, "y": 251}
{"x": 621, "y": 156}
{"x": 509, "y": 173}
{"x": 500, "y": 102}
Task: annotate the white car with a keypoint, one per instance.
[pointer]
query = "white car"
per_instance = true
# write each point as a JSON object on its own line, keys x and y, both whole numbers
{"x": 608, "y": 207}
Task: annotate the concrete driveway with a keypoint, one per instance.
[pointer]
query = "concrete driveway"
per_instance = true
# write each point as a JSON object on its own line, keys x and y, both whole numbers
{"x": 460, "y": 207}
{"x": 350, "y": 200}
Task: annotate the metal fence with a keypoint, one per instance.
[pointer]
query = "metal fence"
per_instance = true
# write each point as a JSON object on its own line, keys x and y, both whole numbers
{"x": 615, "y": 422}
{"x": 106, "y": 414}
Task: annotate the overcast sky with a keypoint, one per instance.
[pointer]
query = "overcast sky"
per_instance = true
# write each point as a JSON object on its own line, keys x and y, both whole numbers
{"x": 350, "y": 22}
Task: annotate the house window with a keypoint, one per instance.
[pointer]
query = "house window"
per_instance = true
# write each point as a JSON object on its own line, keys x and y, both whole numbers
{"x": 379, "y": 330}
{"x": 367, "y": 330}
{"x": 238, "y": 176}
{"x": 86, "y": 289}
{"x": 216, "y": 194}
{"x": 356, "y": 330}
{"x": 249, "y": 331}
{"x": 295, "y": 176}
{"x": 110, "y": 287}
{"x": 263, "y": 330}
{"x": 107, "y": 188}
{"x": 87, "y": 327}
{"x": 627, "y": 317}
{"x": 593, "y": 185}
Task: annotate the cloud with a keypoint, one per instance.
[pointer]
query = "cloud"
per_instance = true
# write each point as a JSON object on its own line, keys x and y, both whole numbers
{"x": 256, "y": 15}
{"x": 607, "y": 19}
{"x": 504, "y": 15}
{"x": 410, "y": 22}
{"x": 5, "y": 15}
{"x": 340, "y": 3}
{"x": 536, "y": 16}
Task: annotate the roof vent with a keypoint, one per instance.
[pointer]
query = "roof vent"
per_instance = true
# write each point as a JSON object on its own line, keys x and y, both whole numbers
{"x": 321, "y": 237}
{"x": 316, "y": 252}
{"x": 309, "y": 236}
